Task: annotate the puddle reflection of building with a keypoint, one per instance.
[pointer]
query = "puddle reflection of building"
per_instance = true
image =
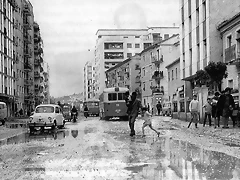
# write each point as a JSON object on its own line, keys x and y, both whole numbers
{"x": 192, "y": 162}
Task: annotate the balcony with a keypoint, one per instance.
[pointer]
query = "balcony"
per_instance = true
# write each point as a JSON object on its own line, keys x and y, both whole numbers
{"x": 27, "y": 98}
{"x": 138, "y": 80}
{"x": 230, "y": 54}
{"x": 156, "y": 89}
{"x": 36, "y": 75}
{"x": 27, "y": 38}
{"x": 157, "y": 60}
{"x": 27, "y": 25}
{"x": 37, "y": 62}
{"x": 157, "y": 75}
{"x": 28, "y": 82}
{"x": 36, "y": 87}
{"x": 27, "y": 53}
{"x": 27, "y": 10}
{"x": 27, "y": 67}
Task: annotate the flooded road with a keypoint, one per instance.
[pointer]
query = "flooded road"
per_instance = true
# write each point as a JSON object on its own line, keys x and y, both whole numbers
{"x": 96, "y": 149}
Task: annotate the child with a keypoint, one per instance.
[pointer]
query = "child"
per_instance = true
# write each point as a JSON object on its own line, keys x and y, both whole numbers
{"x": 147, "y": 121}
{"x": 194, "y": 109}
{"x": 208, "y": 112}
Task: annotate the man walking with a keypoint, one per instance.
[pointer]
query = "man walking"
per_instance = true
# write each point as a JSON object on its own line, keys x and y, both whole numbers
{"x": 159, "y": 107}
{"x": 208, "y": 112}
{"x": 225, "y": 105}
{"x": 194, "y": 109}
{"x": 133, "y": 109}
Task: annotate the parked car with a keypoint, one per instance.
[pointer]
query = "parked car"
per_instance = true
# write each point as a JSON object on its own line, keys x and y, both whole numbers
{"x": 46, "y": 116}
{"x": 3, "y": 113}
{"x": 166, "y": 109}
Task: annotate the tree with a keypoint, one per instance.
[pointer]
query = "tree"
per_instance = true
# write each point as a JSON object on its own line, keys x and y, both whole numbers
{"x": 202, "y": 78}
{"x": 216, "y": 71}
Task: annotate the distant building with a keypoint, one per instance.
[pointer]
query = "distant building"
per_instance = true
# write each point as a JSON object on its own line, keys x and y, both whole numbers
{"x": 230, "y": 34}
{"x": 126, "y": 74}
{"x": 154, "y": 75}
{"x": 89, "y": 80}
{"x": 115, "y": 45}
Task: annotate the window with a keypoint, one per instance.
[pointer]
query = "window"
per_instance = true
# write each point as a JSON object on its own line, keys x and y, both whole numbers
{"x": 182, "y": 106}
{"x": 121, "y": 96}
{"x": 166, "y": 36}
{"x": 229, "y": 41}
{"x": 175, "y": 107}
{"x": 113, "y": 55}
{"x": 137, "y": 45}
{"x": 129, "y": 55}
{"x": 112, "y": 96}
{"x": 143, "y": 71}
{"x": 176, "y": 74}
{"x": 113, "y": 45}
{"x": 169, "y": 78}
{"x": 137, "y": 36}
{"x": 45, "y": 109}
{"x": 172, "y": 75}
{"x": 129, "y": 45}
{"x": 230, "y": 83}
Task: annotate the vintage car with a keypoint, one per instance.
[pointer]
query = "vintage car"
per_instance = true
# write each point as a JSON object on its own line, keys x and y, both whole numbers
{"x": 166, "y": 109}
{"x": 3, "y": 113}
{"x": 46, "y": 116}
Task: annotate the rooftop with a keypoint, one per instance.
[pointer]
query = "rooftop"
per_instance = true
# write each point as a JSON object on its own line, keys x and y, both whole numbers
{"x": 173, "y": 63}
{"x": 226, "y": 22}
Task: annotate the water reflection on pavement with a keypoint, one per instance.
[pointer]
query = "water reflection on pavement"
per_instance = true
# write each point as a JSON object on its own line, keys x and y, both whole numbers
{"x": 147, "y": 158}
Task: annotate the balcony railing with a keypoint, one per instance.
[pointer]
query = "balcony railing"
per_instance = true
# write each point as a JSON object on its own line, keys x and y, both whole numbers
{"x": 36, "y": 74}
{"x": 157, "y": 75}
{"x": 157, "y": 60}
{"x": 230, "y": 53}
{"x": 27, "y": 53}
{"x": 26, "y": 9}
{"x": 27, "y": 67}
{"x": 27, "y": 38}
{"x": 138, "y": 79}
{"x": 28, "y": 82}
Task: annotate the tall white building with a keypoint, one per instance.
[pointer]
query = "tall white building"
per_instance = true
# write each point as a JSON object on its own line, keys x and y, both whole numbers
{"x": 200, "y": 41}
{"x": 88, "y": 81}
{"x": 116, "y": 45}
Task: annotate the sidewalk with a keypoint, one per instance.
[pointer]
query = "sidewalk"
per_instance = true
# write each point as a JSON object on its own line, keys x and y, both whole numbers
{"x": 227, "y": 135}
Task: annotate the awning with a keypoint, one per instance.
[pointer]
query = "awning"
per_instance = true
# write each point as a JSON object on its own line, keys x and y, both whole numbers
{"x": 190, "y": 78}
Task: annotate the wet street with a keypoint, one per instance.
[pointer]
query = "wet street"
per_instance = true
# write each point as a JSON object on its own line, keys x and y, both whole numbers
{"x": 94, "y": 149}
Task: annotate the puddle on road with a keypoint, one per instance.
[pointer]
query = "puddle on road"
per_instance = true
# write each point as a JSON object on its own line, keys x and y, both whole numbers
{"x": 38, "y": 136}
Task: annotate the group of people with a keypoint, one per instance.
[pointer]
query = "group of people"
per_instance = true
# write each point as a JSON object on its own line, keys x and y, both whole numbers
{"x": 221, "y": 105}
{"x": 134, "y": 107}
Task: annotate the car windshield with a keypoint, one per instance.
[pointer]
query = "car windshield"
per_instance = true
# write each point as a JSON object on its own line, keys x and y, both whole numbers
{"x": 45, "y": 109}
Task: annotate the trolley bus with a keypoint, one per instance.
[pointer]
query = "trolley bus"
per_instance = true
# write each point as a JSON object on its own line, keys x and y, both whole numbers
{"x": 93, "y": 107}
{"x": 112, "y": 103}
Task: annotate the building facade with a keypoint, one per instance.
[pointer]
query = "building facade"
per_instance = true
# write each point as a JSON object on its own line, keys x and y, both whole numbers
{"x": 154, "y": 75}
{"x": 8, "y": 65}
{"x": 230, "y": 34}
{"x": 200, "y": 40}
{"x": 115, "y": 45}
{"x": 89, "y": 81}
{"x": 126, "y": 74}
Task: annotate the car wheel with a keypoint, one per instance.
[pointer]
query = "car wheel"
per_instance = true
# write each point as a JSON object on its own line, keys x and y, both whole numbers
{"x": 62, "y": 126}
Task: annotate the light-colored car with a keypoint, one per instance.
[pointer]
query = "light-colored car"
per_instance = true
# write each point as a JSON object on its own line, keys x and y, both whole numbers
{"x": 46, "y": 116}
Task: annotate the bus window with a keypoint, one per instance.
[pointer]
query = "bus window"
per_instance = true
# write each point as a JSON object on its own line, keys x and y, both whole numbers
{"x": 112, "y": 96}
{"x": 121, "y": 96}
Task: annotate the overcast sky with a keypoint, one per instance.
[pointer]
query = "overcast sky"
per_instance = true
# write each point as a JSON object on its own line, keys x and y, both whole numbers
{"x": 68, "y": 29}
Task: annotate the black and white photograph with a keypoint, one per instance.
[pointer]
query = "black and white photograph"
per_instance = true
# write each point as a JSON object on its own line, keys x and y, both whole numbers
{"x": 119, "y": 89}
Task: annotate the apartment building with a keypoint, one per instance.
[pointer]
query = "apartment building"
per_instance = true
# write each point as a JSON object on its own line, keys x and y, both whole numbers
{"x": 126, "y": 74}
{"x": 28, "y": 48}
{"x": 46, "y": 91}
{"x": 154, "y": 75}
{"x": 88, "y": 81}
{"x": 230, "y": 34}
{"x": 38, "y": 66}
{"x": 200, "y": 40}
{"x": 7, "y": 61}
{"x": 115, "y": 45}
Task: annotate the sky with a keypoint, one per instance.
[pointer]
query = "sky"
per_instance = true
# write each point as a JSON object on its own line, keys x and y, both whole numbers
{"x": 68, "y": 29}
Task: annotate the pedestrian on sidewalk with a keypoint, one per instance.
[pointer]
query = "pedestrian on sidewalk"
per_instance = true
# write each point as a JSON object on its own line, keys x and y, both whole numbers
{"x": 215, "y": 111}
{"x": 147, "y": 121}
{"x": 225, "y": 105}
{"x": 208, "y": 112}
{"x": 85, "y": 111}
{"x": 134, "y": 106}
{"x": 194, "y": 109}
{"x": 234, "y": 115}
{"x": 159, "y": 108}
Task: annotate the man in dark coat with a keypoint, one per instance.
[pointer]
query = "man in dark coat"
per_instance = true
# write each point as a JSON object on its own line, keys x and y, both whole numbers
{"x": 225, "y": 106}
{"x": 134, "y": 105}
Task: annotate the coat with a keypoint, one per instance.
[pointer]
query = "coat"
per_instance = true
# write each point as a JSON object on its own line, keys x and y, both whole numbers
{"x": 221, "y": 103}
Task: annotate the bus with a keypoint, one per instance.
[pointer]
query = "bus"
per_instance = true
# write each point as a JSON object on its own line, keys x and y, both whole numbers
{"x": 93, "y": 107}
{"x": 112, "y": 103}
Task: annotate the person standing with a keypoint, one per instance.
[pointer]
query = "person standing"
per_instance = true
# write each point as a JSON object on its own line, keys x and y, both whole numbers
{"x": 208, "y": 112}
{"x": 225, "y": 105}
{"x": 159, "y": 108}
{"x": 85, "y": 111}
{"x": 194, "y": 109}
{"x": 133, "y": 110}
{"x": 215, "y": 112}
{"x": 148, "y": 107}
